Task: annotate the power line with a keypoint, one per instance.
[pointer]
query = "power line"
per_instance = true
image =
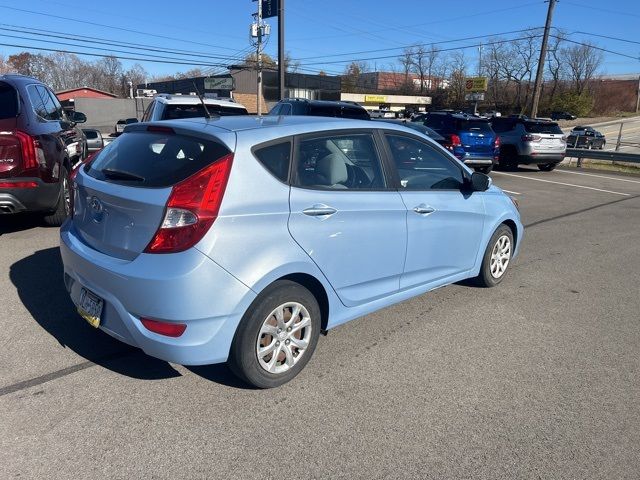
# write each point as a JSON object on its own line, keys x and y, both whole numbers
{"x": 420, "y": 44}
{"x": 120, "y": 57}
{"x": 103, "y": 41}
{"x": 463, "y": 47}
{"x": 620, "y": 54}
{"x": 604, "y": 36}
{"x": 591, "y": 7}
{"x": 108, "y": 52}
{"x": 112, "y": 27}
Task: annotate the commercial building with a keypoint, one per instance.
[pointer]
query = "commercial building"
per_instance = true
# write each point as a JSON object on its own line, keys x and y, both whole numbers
{"x": 394, "y": 103}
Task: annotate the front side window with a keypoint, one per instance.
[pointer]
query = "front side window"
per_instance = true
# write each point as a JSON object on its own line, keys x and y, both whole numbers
{"x": 339, "y": 162}
{"x": 422, "y": 167}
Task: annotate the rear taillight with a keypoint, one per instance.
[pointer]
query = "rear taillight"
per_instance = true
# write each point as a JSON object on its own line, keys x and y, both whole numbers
{"x": 18, "y": 184}
{"x": 455, "y": 140}
{"x": 496, "y": 144}
{"x": 28, "y": 146}
{"x": 192, "y": 208}
{"x": 531, "y": 138}
{"x": 168, "y": 329}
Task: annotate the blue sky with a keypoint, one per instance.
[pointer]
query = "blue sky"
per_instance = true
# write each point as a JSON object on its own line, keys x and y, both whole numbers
{"x": 317, "y": 27}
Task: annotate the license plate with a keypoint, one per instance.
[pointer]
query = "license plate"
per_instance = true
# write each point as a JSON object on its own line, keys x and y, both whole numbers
{"x": 90, "y": 307}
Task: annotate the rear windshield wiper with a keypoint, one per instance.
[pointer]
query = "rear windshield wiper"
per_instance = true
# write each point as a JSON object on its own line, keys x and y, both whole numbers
{"x": 114, "y": 174}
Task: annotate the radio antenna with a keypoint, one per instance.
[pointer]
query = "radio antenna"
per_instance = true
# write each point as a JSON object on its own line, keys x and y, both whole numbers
{"x": 206, "y": 110}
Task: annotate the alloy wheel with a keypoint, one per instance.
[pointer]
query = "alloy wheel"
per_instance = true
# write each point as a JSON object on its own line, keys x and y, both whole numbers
{"x": 283, "y": 337}
{"x": 500, "y": 256}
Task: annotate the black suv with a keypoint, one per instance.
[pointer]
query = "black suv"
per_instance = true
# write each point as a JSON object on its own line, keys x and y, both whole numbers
{"x": 319, "y": 108}
{"x": 39, "y": 144}
{"x": 562, "y": 116}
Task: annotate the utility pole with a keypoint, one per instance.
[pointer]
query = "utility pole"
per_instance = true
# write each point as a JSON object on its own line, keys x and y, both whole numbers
{"x": 282, "y": 68}
{"x": 543, "y": 54}
{"x": 638, "y": 99}
{"x": 259, "y": 59}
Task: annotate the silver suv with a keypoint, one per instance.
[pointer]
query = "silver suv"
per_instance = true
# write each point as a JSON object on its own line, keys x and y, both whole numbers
{"x": 173, "y": 107}
{"x": 529, "y": 141}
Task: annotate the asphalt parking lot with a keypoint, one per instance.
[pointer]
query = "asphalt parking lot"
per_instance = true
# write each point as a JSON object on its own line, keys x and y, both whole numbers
{"x": 537, "y": 378}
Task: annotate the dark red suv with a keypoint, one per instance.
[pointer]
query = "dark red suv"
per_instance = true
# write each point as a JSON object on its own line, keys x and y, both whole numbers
{"x": 39, "y": 144}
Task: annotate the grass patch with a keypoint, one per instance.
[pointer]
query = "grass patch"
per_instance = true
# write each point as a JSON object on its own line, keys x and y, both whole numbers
{"x": 621, "y": 167}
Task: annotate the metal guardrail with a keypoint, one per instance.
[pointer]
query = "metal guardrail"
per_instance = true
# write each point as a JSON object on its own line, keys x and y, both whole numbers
{"x": 603, "y": 155}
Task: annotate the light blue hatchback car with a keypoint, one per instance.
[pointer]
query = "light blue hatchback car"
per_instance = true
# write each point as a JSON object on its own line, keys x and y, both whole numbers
{"x": 241, "y": 239}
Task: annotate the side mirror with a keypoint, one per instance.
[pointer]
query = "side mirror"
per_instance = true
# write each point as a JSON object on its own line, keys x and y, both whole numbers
{"x": 479, "y": 182}
{"x": 78, "y": 117}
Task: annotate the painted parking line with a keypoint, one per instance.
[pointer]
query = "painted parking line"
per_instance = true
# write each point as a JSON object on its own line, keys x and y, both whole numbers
{"x": 565, "y": 184}
{"x": 509, "y": 191}
{"x": 599, "y": 176}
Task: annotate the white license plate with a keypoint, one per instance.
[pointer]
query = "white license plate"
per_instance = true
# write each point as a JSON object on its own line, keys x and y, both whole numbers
{"x": 90, "y": 307}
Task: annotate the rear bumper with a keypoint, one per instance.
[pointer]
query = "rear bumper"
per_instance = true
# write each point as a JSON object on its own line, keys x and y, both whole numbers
{"x": 478, "y": 161}
{"x": 537, "y": 158}
{"x": 42, "y": 198}
{"x": 185, "y": 287}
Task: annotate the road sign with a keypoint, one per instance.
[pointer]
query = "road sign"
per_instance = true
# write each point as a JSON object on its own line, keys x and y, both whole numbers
{"x": 474, "y": 97}
{"x": 270, "y": 8}
{"x": 218, "y": 83}
{"x": 476, "y": 84}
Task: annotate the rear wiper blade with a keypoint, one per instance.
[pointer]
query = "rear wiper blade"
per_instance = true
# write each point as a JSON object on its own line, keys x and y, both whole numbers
{"x": 114, "y": 174}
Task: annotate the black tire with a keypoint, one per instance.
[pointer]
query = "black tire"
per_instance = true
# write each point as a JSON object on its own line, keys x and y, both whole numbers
{"x": 486, "y": 278}
{"x": 485, "y": 170}
{"x": 547, "y": 167}
{"x": 60, "y": 214}
{"x": 508, "y": 159}
{"x": 243, "y": 357}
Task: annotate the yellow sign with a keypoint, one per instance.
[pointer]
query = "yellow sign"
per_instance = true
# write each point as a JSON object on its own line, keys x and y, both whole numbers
{"x": 476, "y": 84}
{"x": 375, "y": 98}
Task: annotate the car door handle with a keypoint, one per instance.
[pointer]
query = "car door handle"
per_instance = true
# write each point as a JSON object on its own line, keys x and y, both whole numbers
{"x": 423, "y": 209}
{"x": 319, "y": 210}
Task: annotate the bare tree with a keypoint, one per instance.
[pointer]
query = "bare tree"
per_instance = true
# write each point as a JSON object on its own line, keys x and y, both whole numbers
{"x": 583, "y": 61}
{"x": 555, "y": 64}
{"x": 457, "y": 79}
{"x": 351, "y": 76}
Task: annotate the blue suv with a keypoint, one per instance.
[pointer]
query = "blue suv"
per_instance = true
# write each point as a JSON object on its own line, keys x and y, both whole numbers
{"x": 239, "y": 239}
{"x": 468, "y": 137}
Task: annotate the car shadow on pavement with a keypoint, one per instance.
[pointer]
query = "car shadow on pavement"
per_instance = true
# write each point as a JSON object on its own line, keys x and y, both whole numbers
{"x": 18, "y": 223}
{"x": 220, "y": 373}
{"x": 39, "y": 281}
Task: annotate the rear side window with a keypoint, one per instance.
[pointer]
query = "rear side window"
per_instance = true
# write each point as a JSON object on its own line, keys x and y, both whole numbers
{"x": 91, "y": 134}
{"x": 464, "y": 125}
{"x": 43, "y": 103}
{"x": 500, "y": 126}
{"x": 150, "y": 159}
{"x": 276, "y": 159}
{"x": 537, "y": 127}
{"x": 8, "y": 101}
{"x": 174, "y": 112}
{"x": 339, "y": 162}
{"x": 440, "y": 123}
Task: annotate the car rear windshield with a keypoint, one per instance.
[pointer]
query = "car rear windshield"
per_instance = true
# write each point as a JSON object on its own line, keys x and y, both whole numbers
{"x": 153, "y": 159}
{"x": 542, "y": 127}
{"x": 338, "y": 111}
{"x": 464, "y": 125}
{"x": 8, "y": 101}
{"x": 174, "y": 112}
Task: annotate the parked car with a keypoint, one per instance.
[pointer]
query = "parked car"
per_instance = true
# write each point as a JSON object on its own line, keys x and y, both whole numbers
{"x": 39, "y": 144}
{"x": 562, "y": 116}
{"x": 529, "y": 141}
{"x": 319, "y": 108}
{"x": 382, "y": 114}
{"x": 205, "y": 242}
{"x": 123, "y": 122}
{"x": 418, "y": 127}
{"x": 173, "y": 107}
{"x": 94, "y": 139}
{"x": 586, "y": 137}
{"x": 469, "y": 138}
{"x": 492, "y": 113}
